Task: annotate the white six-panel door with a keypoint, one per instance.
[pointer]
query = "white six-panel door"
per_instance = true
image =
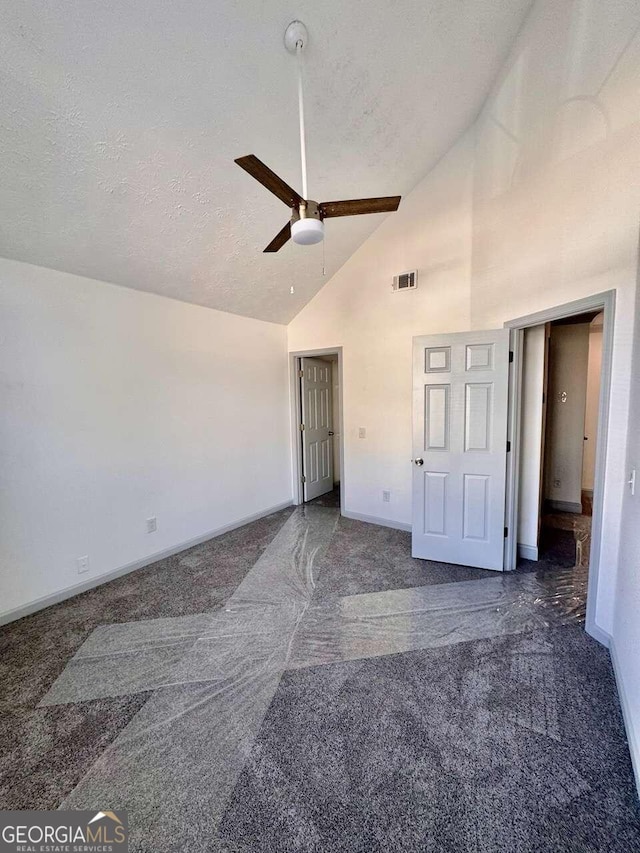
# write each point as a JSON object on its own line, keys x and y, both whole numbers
{"x": 460, "y": 395}
{"x": 317, "y": 447}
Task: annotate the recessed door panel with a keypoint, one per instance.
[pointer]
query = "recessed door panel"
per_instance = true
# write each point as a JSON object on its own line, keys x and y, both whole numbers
{"x": 323, "y": 420}
{"x": 477, "y": 416}
{"x": 436, "y": 418}
{"x": 435, "y": 503}
{"x": 476, "y": 507}
{"x": 312, "y": 409}
{"x": 325, "y": 458}
{"x": 312, "y": 476}
{"x": 437, "y": 359}
{"x": 479, "y": 356}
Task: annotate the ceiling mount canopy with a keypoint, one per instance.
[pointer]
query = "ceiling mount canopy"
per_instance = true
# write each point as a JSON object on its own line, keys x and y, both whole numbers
{"x": 307, "y": 216}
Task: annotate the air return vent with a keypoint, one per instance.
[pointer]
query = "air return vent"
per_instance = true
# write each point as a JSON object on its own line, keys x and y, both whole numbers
{"x": 406, "y": 280}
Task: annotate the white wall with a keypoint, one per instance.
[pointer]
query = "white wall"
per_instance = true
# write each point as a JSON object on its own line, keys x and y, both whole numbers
{"x": 556, "y": 201}
{"x": 535, "y": 206}
{"x": 358, "y": 310}
{"x": 564, "y": 439}
{"x": 118, "y": 405}
{"x": 531, "y": 440}
{"x": 594, "y": 370}
{"x": 626, "y": 622}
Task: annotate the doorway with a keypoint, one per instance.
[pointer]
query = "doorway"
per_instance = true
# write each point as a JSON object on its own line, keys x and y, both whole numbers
{"x": 473, "y": 431}
{"x": 316, "y": 427}
{"x": 569, "y": 426}
{"x": 558, "y": 418}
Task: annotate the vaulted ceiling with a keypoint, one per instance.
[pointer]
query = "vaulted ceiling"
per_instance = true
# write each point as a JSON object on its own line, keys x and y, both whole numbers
{"x": 121, "y": 120}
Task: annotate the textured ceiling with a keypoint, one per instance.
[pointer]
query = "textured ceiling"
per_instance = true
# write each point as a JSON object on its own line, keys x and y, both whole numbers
{"x": 120, "y": 121}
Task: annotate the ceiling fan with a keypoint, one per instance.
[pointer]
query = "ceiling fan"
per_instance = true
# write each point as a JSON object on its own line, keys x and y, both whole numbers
{"x": 306, "y": 224}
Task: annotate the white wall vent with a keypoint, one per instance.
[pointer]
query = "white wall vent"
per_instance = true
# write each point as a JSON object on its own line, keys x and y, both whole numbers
{"x": 406, "y": 280}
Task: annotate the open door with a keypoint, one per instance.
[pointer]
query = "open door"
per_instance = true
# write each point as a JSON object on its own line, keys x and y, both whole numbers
{"x": 460, "y": 396}
{"x": 317, "y": 424}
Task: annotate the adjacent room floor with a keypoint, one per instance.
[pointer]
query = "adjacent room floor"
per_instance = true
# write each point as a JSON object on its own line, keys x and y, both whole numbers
{"x": 303, "y": 684}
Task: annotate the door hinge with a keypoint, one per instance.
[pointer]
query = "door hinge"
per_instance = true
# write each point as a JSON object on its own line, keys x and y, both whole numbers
{"x": 301, "y": 374}
{"x": 506, "y": 532}
{"x": 301, "y": 427}
{"x": 510, "y": 357}
{"x": 508, "y": 447}
{"x": 303, "y": 479}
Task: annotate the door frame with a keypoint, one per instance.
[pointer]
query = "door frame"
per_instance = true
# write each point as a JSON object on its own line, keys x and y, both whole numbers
{"x": 294, "y": 397}
{"x": 605, "y": 302}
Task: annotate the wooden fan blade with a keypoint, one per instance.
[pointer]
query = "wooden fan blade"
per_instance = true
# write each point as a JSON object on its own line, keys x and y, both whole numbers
{"x": 257, "y": 169}
{"x": 280, "y": 239}
{"x": 356, "y": 206}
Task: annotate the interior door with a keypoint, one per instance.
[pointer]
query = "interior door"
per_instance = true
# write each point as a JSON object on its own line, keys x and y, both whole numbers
{"x": 460, "y": 396}
{"x": 317, "y": 447}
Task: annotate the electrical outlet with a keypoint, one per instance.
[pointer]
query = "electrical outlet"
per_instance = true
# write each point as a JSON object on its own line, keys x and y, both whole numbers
{"x": 362, "y": 432}
{"x": 83, "y": 564}
{"x": 152, "y": 524}
{"x": 557, "y": 484}
{"x": 386, "y": 496}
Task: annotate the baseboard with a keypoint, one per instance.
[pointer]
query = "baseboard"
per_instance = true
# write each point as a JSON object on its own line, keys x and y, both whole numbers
{"x": 598, "y": 634}
{"x": 633, "y": 735}
{"x": 70, "y": 591}
{"x": 565, "y": 506}
{"x": 382, "y": 522}
{"x": 528, "y": 552}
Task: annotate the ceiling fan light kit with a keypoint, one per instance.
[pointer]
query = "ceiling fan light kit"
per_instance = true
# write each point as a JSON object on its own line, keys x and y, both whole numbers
{"x": 306, "y": 225}
{"x": 306, "y": 232}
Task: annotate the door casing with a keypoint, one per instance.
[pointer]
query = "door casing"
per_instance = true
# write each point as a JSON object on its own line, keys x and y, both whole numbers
{"x": 296, "y": 444}
{"x": 605, "y": 302}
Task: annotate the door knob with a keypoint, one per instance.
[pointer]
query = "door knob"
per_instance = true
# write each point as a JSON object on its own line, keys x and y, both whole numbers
{"x": 419, "y": 462}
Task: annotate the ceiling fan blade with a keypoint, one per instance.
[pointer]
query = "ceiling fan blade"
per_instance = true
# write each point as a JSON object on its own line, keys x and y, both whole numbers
{"x": 356, "y": 206}
{"x": 280, "y": 239}
{"x": 257, "y": 169}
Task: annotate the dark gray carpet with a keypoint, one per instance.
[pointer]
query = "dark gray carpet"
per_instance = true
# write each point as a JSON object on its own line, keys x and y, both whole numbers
{"x": 514, "y": 745}
{"x": 331, "y": 499}
{"x": 45, "y": 751}
{"x": 367, "y": 558}
{"x": 557, "y": 547}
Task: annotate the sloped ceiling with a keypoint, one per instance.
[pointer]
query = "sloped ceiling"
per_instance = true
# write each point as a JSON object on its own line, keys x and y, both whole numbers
{"x": 121, "y": 120}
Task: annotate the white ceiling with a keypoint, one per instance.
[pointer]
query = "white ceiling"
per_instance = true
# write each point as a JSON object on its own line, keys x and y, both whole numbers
{"x": 121, "y": 119}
